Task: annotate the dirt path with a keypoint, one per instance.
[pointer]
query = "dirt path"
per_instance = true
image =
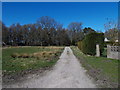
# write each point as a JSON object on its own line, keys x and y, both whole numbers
{"x": 67, "y": 73}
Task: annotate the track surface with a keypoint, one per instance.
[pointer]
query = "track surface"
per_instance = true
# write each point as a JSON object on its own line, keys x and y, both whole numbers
{"x": 67, "y": 73}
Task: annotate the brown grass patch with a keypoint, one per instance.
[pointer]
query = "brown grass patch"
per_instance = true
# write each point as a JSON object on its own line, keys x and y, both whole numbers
{"x": 38, "y": 55}
{"x": 24, "y": 55}
{"x": 51, "y": 47}
{"x": 15, "y": 55}
{"x": 44, "y": 54}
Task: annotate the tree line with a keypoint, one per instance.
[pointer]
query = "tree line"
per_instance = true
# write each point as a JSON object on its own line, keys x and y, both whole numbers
{"x": 45, "y": 32}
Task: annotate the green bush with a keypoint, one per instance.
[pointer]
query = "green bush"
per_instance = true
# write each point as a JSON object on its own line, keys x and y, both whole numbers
{"x": 88, "y": 44}
{"x": 100, "y": 41}
{"x": 79, "y": 45}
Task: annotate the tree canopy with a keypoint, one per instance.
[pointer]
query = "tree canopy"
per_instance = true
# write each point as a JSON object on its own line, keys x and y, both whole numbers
{"x": 44, "y": 32}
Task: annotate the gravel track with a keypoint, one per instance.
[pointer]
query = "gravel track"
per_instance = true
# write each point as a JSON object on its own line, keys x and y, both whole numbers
{"x": 67, "y": 73}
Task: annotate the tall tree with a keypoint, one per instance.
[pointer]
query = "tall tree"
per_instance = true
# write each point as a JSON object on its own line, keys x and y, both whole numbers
{"x": 46, "y": 31}
{"x": 5, "y": 34}
{"x": 75, "y": 33}
{"x": 48, "y": 23}
{"x": 112, "y": 34}
{"x": 0, "y": 33}
{"x": 88, "y": 30}
{"x": 111, "y": 30}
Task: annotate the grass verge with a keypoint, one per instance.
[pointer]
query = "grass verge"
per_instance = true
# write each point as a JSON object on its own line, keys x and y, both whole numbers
{"x": 102, "y": 69}
{"x": 20, "y": 59}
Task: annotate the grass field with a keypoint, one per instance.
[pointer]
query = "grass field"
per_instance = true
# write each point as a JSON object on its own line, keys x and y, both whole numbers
{"x": 0, "y": 58}
{"x": 17, "y": 59}
{"x": 102, "y": 69}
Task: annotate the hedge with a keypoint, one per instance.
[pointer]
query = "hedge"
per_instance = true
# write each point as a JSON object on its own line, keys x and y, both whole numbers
{"x": 79, "y": 45}
{"x": 88, "y": 44}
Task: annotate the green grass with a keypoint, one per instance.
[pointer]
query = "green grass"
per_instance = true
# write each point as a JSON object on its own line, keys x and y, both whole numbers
{"x": 12, "y": 65}
{"x": 100, "y": 68}
{"x": 0, "y": 58}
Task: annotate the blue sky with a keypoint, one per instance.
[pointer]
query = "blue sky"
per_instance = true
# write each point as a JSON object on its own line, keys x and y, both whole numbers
{"x": 91, "y": 14}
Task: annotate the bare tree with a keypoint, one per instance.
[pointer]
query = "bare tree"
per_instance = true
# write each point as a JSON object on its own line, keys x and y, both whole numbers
{"x": 75, "y": 33}
{"x": 110, "y": 24}
{"x": 46, "y": 31}
{"x": 111, "y": 30}
{"x": 48, "y": 23}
